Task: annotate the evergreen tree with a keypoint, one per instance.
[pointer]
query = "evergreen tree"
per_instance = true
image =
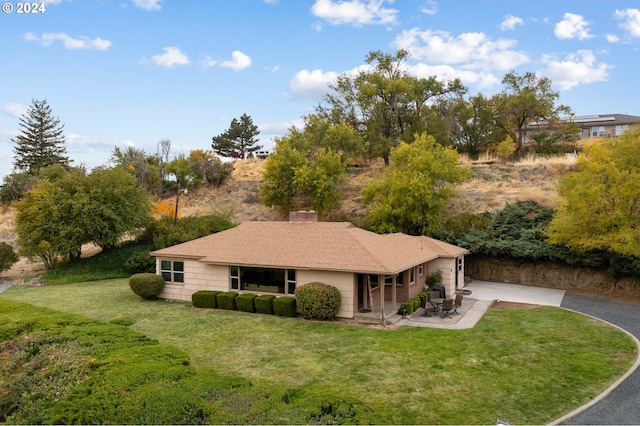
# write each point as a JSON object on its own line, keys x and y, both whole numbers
{"x": 41, "y": 142}
{"x": 239, "y": 140}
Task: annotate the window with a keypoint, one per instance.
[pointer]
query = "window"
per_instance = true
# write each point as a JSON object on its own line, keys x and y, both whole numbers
{"x": 266, "y": 280}
{"x": 412, "y": 276}
{"x": 291, "y": 281}
{"x": 597, "y": 131}
{"x": 172, "y": 271}
{"x": 459, "y": 264}
{"x": 621, "y": 128}
{"x": 585, "y": 133}
{"x": 420, "y": 270}
{"x": 234, "y": 277}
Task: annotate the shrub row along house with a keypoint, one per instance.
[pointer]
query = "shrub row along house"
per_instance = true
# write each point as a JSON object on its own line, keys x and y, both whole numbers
{"x": 276, "y": 257}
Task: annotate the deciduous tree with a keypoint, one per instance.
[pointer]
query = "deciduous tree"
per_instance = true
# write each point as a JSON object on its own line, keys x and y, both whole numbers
{"x": 412, "y": 195}
{"x": 70, "y": 209}
{"x": 600, "y": 208}
{"x": 41, "y": 142}
{"x": 306, "y": 170}
{"x": 526, "y": 99}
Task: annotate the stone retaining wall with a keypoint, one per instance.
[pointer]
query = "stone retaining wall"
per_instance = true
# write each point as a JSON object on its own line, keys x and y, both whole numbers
{"x": 553, "y": 275}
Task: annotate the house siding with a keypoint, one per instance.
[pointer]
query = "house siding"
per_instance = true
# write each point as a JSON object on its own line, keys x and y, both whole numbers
{"x": 448, "y": 269}
{"x": 197, "y": 276}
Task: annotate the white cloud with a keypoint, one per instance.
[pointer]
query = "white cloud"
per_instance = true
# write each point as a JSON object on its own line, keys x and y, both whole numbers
{"x": 576, "y": 69}
{"x": 280, "y": 127}
{"x": 448, "y": 73}
{"x": 354, "y": 12}
{"x": 612, "y": 38}
{"x": 510, "y": 22}
{"x": 149, "y": 5}
{"x": 208, "y": 62}
{"x": 572, "y": 26}
{"x": 15, "y": 109}
{"x": 469, "y": 50}
{"x": 631, "y": 21}
{"x": 430, "y": 7}
{"x": 311, "y": 85}
{"x": 68, "y": 42}
{"x": 239, "y": 61}
{"x": 171, "y": 56}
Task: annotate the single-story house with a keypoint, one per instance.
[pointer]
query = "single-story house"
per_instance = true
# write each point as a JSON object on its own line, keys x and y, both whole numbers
{"x": 596, "y": 126}
{"x": 277, "y": 257}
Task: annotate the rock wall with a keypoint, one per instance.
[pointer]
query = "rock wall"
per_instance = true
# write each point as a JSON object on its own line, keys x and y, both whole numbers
{"x": 553, "y": 275}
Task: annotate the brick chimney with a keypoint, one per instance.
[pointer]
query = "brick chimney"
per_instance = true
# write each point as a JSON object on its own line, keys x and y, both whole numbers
{"x": 304, "y": 216}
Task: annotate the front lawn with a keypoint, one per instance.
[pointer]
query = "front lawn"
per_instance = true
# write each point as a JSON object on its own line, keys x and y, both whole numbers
{"x": 524, "y": 366}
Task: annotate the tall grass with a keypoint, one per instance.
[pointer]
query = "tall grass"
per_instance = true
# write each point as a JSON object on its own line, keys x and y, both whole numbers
{"x": 527, "y": 366}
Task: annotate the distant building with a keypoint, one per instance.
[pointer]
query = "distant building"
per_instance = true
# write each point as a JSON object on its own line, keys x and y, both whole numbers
{"x": 604, "y": 125}
{"x": 262, "y": 154}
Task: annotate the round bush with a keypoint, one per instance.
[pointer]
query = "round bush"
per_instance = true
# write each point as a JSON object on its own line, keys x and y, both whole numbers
{"x": 148, "y": 286}
{"x": 318, "y": 301}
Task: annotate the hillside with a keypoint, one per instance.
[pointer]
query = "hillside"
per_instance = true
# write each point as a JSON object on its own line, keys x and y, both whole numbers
{"x": 491, "y": 187}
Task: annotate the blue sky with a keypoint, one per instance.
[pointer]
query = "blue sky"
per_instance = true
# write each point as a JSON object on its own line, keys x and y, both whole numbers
{"x": 132, "y": 72}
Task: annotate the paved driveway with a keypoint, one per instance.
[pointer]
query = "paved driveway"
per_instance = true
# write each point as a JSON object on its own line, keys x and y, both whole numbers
{"x": 622, "y": 405}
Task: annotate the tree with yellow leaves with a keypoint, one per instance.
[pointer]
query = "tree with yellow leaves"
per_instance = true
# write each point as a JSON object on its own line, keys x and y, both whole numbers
{"x": 600, "y": 207}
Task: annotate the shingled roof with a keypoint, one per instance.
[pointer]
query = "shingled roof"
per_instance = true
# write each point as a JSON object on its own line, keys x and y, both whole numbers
{"x": 333, "y": 246}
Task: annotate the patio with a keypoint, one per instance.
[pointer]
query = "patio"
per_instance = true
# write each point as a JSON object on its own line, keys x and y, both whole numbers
{"x": 469, "y": 314}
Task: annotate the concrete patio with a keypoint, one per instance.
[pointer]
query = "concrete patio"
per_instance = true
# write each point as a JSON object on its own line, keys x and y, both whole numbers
{"x": 483, "y": 295}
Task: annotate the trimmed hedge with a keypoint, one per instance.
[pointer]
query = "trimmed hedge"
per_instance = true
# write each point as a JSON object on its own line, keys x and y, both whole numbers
{"x": 407, "y": 307}
{"x": 284, "y": 306}
{"x": 245, "y": 302}
{"x": 227, "y": 300}
{"x": 264, "y": 303}
{"x": 146, "y": 285}
{"x": 205, "y": 299}
{"x": 318, "y": 301}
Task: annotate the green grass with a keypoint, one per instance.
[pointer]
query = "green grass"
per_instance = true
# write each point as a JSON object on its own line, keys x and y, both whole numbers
{"x": 525, "y": 366}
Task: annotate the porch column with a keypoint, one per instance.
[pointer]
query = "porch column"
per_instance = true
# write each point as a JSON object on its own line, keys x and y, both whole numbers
{"x": 393, "y": 294}
{"x": 383, "y": 318}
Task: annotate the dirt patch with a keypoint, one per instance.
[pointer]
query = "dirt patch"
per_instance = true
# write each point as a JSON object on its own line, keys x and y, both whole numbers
{"x": 499, "y": 304}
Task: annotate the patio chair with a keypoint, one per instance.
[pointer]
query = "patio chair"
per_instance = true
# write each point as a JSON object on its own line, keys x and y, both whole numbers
{"x": 434, "y": 295}
{"x": 447, "y": 307}
{"x": 456, "y": 304}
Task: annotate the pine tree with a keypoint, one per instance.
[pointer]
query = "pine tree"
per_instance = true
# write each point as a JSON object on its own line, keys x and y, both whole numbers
{"x": 41, "y": 142}
{"x": 239, "y": 140}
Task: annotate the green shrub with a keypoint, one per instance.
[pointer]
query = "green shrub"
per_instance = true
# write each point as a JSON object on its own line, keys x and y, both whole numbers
{"x": 318, "y": 301}
{"x": 7, "y": 256}
{"x": 424, "y": 298}
{"x": 245, "y": 302}
{"x": 435, "y": 277}
{"x": 148, "y": 286}
{"x": 406, "y": 308}
{"x": 162, "y": 233}
{"x": 205, "y": 299}
{"x": 416, "y": 303}
{"x": 227, "y": 300}
{"x": 284, "y": 306}
{"x": 264, "y": 303}
{"x": 140, "y": 261}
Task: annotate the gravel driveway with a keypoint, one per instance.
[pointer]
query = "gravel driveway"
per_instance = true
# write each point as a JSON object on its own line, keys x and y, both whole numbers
{"x": 621, "y": 406}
